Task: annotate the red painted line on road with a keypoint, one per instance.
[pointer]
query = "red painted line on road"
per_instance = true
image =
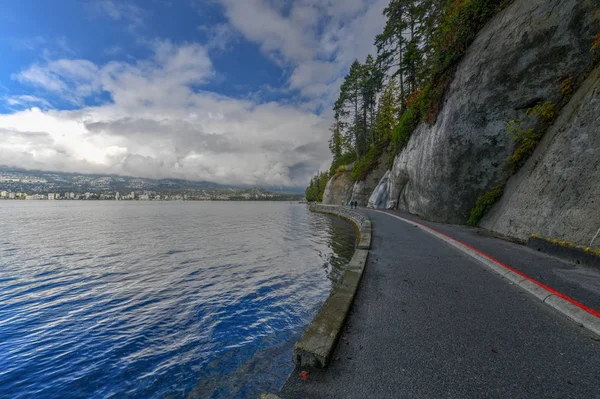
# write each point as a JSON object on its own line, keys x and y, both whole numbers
{"x": 549, "y": 289}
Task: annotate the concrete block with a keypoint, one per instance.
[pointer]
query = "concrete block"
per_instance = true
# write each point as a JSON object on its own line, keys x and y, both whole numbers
{"x": 514, "y": 277}
{"x": 316, "y": 346}
{"x": 534, "y": 289}
{"x": 358, "y": 261}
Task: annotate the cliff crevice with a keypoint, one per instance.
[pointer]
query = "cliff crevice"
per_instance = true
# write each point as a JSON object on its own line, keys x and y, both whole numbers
{"x": 556, "y": 193}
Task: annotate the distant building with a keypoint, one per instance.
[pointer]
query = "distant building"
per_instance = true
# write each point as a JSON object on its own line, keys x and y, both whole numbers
{"x": 11, "y": 195}
{"x": 3, "y": 194}
{"x": 117, "y": 196}
{"x": 51, "y": 196}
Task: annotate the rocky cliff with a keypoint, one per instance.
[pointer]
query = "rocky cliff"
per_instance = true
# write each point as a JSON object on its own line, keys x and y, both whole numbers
{"x": 342, "y": 187}
{"x": 339, "y": 188}
{"x": 363, "y": 189}
{"x": 557, "y": 192}
{"x": 521, "y": 58}
{"x": 513, "y": 64}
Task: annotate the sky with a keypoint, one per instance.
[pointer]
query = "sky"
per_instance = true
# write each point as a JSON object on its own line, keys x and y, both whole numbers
{"x": 228, "y": 91}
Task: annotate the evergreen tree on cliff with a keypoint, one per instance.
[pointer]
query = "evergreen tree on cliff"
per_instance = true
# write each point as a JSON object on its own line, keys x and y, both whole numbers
{"x": 420, "y": 42}
{"x": 387, "y": 112}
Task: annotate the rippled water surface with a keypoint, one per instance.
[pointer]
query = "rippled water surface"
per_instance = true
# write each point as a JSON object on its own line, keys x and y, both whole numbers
{"x": 154, "y": 300}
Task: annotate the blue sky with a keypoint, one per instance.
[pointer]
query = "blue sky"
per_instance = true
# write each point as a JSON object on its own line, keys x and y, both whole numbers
{"x": 223, "y": 90}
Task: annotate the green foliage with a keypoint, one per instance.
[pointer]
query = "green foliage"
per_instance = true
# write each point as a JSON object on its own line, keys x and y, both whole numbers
{"x": 385, "y": 121}
{"x": 484, "y": 203}
{"x": 418, "y": 49}
{"x": 543, "y": 111}
{"x": 450, "y": 32}
{"x": 355, "y": 109}
{"x": 366, "y": 164}
{"x": 527, "y": 143}
{"x": 460, "y": 22}
{"x": 316, "y": 188}
{"x": 405, "y": 45}
{"x": 344, "y": 159}
{"x": 457, "y": 28}
{"x": 336, "y": 143}
{"x": 403, "y": 130}
{"x": 527, "y": 134}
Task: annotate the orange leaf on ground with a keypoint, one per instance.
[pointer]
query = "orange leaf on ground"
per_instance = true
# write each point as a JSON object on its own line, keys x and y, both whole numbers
{"x": 596, "y": 43}
{"x": 304, "y": 374}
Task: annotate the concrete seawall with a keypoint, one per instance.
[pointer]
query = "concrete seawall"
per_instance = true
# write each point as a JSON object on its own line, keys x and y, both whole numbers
{"x": 315, "y": 347}
{"x": 361, "y": 222}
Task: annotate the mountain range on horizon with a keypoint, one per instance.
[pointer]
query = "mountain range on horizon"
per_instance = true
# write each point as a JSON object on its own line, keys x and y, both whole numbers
{"x": 19, "y": 179}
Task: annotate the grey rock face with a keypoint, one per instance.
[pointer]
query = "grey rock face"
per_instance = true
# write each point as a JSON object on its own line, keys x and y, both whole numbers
{"x": 512, "y": 64}
{"x": 339, "y": 188}
{"x": 379, "y": 198}
{"x": 557, "y": 193}
{"x": 362, "y": 190}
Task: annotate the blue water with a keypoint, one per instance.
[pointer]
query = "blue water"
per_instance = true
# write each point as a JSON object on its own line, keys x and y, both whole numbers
{"x": 154, "y": 300}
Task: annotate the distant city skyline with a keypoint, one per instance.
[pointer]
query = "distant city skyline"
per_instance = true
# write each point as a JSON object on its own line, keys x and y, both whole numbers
{"x": 37, "y": 181}
{"x": 39, "y": 185}
{"x": 240, "y": 195}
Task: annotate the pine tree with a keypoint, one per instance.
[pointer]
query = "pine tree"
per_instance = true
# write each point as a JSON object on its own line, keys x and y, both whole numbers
{"x": 323, "y": 179}
{"x": 406, "y": 44}
{"x": 371, "y": 84}
{"x": 347, "y": 108}
{"x": 391, "y": 43}
{"x": 316, "y": 187}
{"x": 386, "y": 114}
{"x": 336, "y": 143}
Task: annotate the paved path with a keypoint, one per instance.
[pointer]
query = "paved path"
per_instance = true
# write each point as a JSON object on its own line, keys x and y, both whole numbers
{"x": 429, "y": 322}
{"x": 579, "y": 283}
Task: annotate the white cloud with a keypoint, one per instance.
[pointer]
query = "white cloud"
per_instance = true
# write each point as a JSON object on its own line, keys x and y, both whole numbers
{"x": 113, "y": 50}
{"x": 276, "y": 34}
{"x": 119, "y": 10}
{"x": 26, "y": 100}
{"x": 219, "y": 37}
{"x": 316, "y": 39}
{"x": 157, "y": 125}
{"x": 39, "y": 76}
{"x": 29, "y": 43}
{"x": 176, "y": 67}
{"x": 73, "y": 79}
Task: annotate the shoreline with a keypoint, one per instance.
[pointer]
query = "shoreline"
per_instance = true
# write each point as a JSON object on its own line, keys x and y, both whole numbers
{"x": 315, "y": 348}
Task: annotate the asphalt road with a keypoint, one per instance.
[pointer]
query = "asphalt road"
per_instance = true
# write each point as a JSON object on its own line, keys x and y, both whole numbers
{"x": 578, "y": 282}
{"x": 429, "y": 322}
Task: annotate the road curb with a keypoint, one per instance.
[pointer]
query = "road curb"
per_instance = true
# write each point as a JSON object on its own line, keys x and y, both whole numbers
{"x": 577, "y": 312}
{"x": 315, "y": 347}
{"x": 570, "y": 252}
